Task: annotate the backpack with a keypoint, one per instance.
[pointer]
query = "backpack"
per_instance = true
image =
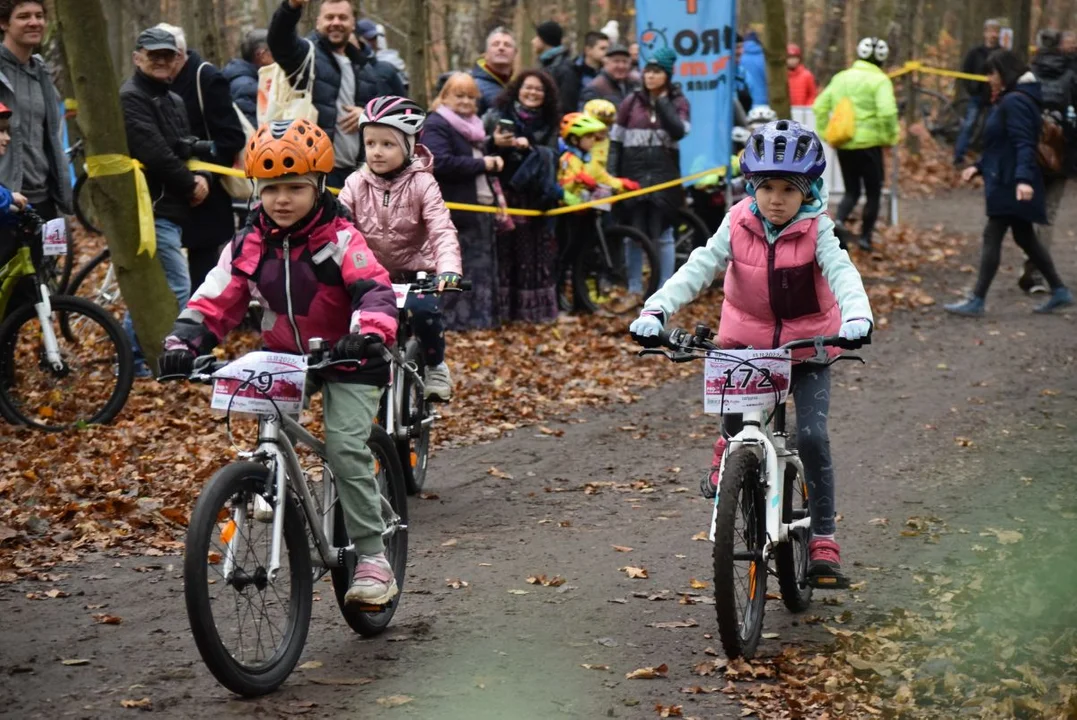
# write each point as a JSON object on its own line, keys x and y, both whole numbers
{"x": 842, "y": 126}
{"x": 1051, "y": 148}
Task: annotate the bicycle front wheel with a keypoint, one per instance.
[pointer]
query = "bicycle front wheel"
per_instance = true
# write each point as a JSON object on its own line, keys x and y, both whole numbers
{"x": 415, "y": 451}
{"x": 740, "y": 570}
{"x": 394, "y": 494}
{"x": 618, "y": 275}
{"x": 249, "y": 626}
{"x": 87, "y": 382}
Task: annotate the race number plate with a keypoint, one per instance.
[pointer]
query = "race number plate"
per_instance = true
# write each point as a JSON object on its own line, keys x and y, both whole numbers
{"x": 738, "y": 381}
{"x": 401, "y": 294}
{"x": 253, "y": 383}
{"x": 54, "y": 237}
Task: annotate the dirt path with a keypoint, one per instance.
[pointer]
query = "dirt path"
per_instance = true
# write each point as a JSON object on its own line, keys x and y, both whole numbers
{"x": 969, "y": 423}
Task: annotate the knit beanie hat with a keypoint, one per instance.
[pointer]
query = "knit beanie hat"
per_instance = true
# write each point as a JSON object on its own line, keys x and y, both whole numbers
{"x": 312, "y": 179}
{"x": 664, "y": 58}
{"x": 550, "y": 33}
{"x": 801, "y": 182}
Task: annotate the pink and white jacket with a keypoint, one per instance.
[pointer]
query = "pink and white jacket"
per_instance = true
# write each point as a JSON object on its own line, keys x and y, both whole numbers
{"x": 320, "y": 280}
{"x": 781, "y": 285}
{"x": 404, "y": 219}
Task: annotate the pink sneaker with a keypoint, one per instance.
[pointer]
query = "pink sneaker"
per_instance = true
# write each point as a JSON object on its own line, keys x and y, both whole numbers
{"x": 824, "y": 565}
{"x": 373, "y": 582}
{"x": 708, "y": 488}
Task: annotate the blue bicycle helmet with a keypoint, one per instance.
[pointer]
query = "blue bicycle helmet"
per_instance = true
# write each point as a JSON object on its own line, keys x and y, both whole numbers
{"x": 784, "y": 147}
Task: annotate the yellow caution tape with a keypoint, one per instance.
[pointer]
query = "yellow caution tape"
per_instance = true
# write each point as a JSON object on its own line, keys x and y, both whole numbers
{"x": 106, "y": 165}
{"x": 71, "y": 104}
{"x": 199, "y": 166}
{"x": 918, "y": 66}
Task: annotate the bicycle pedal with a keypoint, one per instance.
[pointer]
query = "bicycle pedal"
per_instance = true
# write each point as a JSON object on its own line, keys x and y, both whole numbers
{"x": 829, "y": 582}
{"x": 374, "y": 609}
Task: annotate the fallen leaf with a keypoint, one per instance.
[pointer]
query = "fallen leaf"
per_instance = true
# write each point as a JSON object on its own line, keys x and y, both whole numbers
{"x": 549, "y": 431}
{"x": 555, "y": 581}
{"x": 104, "y": 619}
{"x": 142, "y": 704}
{"x": 634, "y": 572}
{"x": 648, "y": 673}
{"x": 670, "y": 711}
{"x": 696, "y": 584}
{"x": 675, "y": 624}
{"x": 498, "y": 474}
{"x": 710, "y": 667}
{"x": 963, "y": 442}
{"x": 75, "y": 661}
{"x": 879, "y": 521}
{"x": 342, "y": 681}
{"x": 310, "y": 665}
{"x": 54, "y": 593}
{"x": 589, "y": 666}
{"x": 394, "y": 700}
{"x": 621, "y": 548}
{"x": 519, "y": 592}
{"x": 701, "y": 535}
{"x": 456, "y": 583}
{"x": 449, "y": 543}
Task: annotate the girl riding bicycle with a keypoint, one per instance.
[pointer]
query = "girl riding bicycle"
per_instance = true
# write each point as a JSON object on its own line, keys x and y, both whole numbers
{"x": 314, "y": 276}
{"x": 397, "y": 204}
{"x": 787, "y": 279}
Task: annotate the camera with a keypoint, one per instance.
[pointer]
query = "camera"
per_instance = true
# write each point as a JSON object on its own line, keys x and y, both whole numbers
{"x": 191, "y": 147}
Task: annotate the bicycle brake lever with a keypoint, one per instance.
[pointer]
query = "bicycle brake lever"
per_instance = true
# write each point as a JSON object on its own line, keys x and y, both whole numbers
{"x": 655, "y": 351}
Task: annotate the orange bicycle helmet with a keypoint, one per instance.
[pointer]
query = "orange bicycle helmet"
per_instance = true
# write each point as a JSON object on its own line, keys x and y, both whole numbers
{"x": 288, "y": 147}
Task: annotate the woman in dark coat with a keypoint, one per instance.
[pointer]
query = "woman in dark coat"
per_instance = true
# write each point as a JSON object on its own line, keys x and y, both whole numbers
{"x": 1013, "y": 183}
{"x": 527, "y": 254}
{"x": 455, "y": 136}
{"x": 643, "y": 147}
{"x": 211, "y": 224}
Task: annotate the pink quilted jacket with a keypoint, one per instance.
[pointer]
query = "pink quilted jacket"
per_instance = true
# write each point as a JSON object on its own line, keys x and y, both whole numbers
{"x": 404, "y": 220}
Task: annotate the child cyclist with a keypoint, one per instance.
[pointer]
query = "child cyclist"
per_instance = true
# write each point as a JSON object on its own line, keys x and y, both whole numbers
{"x": 397, "y": 204}
{"x": 576, "y": 170}
{"x": 606, "y": 111}
{"x": 787, "y": 279}
{"x": 313, "y": 274}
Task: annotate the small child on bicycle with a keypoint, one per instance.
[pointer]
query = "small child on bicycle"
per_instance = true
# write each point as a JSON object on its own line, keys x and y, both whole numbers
{"x": 576, "y": 170}
{"x": 397, "y": 204}
{"x": 313, "y": 274}
{"x": 787, "y": 279}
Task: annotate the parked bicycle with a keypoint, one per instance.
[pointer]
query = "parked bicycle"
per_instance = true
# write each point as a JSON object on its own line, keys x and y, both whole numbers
{"x": 259, "y": 526}
{"x": 64, "y": 361}
{"x": 761, "y": 520}
{"x": 405, "y": 413}
{"x": 596, "y": 265}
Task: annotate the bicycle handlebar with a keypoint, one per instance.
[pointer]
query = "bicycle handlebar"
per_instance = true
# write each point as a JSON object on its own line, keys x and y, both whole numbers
{"x": 689, "y": 346}
{"x": 206, "y": 365}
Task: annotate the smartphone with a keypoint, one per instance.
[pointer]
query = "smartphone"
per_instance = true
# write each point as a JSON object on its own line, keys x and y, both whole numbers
{"x": 507, "y": 125}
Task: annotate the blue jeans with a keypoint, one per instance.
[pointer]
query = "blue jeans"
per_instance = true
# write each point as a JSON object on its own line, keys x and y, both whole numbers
{"x": 964, "y": 138}
{"x": 667, "y": 258}
{"x": 170, "y": 253}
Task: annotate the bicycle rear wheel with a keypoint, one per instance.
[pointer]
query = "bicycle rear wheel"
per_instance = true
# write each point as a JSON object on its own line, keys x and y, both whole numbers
{"x": 249, "y": 628}
{"x": 690, "y": 232}
{"x": 83, "y": 211}
{"x": 615, "y": 277}
{"x": 96, "y": 281}
{"x": 740, "y": 571}
{"x": 95, "y": 374}
{"x": 390, "y": 478}
{"x": 791, "y": 558}
{"x": 414, "y": 452}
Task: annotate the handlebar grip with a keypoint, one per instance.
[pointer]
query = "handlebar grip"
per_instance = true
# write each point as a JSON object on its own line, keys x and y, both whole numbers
{"x": 465, "y": 285}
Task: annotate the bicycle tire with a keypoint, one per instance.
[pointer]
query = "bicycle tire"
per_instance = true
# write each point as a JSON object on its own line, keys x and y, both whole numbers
{"x": 366, "y": 623}
{"x": 415, "y": 451}
{"x": 122, "y": 365}
{"x": 227, "y": 483}
{"x": 690, "y": 233}
{"x": 791, "y": 558}
{"x": 96, "y": 295}
{"x": 741, "y": 480}
{"x": 82, "y": 213}
{"x": 590, "y": 261}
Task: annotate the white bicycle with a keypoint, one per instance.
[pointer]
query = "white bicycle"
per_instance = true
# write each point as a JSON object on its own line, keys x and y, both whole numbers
{"x": 760, "y": 524}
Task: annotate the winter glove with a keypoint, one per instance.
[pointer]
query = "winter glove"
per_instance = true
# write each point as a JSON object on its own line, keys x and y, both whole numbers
{"x": 856, "y": 329}
{"x": 629, "y": 185}
{"x": 447, "y": 280}
{"x": 176, "y": 362}
{"x": 647, "y": 325}
{"x": 353, "y": 346}
{"x": 570, "y": 198}
{"x": 586, "y": 180}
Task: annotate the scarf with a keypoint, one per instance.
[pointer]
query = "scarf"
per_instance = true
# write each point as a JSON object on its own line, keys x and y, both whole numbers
{"x": 470, "y": 128}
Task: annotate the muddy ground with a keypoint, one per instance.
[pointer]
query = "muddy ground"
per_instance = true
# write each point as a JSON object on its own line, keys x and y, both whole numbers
{"x": 968, "y": 422}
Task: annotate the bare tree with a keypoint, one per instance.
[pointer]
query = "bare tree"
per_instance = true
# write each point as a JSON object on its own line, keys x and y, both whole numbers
{"x": 200, "y": 24}
{"x": 777, "y": 72}
{"x": 828, "y": 44}
{"x": 416, "y": 61}
{"x": 82, "y": 24}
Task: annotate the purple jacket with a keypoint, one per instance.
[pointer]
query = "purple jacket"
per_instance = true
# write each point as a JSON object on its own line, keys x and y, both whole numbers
{"x": 455, "y": 167}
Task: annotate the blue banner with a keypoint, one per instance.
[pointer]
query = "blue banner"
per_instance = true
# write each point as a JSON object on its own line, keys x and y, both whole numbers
{"x": 703, "y": 34}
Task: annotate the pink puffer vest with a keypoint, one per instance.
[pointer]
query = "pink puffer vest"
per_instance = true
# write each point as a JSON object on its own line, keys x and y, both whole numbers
{"x": 774, "y": 293}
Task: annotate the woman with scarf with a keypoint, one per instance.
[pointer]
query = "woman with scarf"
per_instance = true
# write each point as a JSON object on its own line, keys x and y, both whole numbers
{"x": 455, "y": 136}
{"x": 522, "y": 128}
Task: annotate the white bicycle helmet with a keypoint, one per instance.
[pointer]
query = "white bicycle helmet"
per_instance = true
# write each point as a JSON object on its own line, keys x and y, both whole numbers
{"x": 395, "y": 112}
{"x": 761, "y": 115}
{"x": 873, "y": 49}
{"x": 741, "y": 136}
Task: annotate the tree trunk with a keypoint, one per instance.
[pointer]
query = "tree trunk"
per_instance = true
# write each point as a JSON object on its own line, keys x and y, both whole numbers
{"x": 828, "y": 46}
{"x": 464, "y": 41}
{"x": 82, "y": 24}
{"x": 502, "y": 13}
{"x": 200, "y": 24}
{"x": 912, "y": 9}
{"x": 777, "y": 73}
{"x": 416, "y": 60}
{"x": 583, "y": 22}
{"x": 1021, "y": 15}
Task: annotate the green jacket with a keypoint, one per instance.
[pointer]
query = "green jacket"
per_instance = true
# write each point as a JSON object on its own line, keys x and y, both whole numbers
{"x": 872, "y": 94}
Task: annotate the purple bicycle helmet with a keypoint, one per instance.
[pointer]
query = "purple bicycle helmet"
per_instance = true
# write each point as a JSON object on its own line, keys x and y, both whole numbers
{"x": 784, "y": 147}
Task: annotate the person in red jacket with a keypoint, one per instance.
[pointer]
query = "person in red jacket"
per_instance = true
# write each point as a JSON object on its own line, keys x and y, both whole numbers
{"x": 802, "y": 90}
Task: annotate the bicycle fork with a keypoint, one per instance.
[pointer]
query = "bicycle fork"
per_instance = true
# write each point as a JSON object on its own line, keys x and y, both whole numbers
{"x": 48, "y": 335}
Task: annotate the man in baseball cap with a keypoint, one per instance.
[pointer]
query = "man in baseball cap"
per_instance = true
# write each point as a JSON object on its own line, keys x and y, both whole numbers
{"x": 156, "y": 39}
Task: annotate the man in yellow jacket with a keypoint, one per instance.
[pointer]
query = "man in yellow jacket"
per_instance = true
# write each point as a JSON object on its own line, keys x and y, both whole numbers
{"x": 876, "y": 126}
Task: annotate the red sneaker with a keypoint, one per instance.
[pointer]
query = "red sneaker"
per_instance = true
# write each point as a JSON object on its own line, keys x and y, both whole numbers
{"x": 824, "y": 565}
{"x": 708, "y": 487}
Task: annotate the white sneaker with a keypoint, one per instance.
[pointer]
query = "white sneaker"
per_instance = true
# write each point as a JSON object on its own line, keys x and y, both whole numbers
{"x": 438, "y": 383}
{"x": 373, "y": 582}
{"x": 263, "y": 511}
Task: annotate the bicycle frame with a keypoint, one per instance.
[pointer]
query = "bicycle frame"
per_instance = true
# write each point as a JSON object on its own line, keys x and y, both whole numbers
{"x": 276, "y": 435}
{"x": 20, "y": 266}
{"x": 769, "y": 447}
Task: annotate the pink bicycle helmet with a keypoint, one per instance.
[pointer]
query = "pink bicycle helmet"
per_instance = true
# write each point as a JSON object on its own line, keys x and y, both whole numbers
{"x": 395, "y": 112}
